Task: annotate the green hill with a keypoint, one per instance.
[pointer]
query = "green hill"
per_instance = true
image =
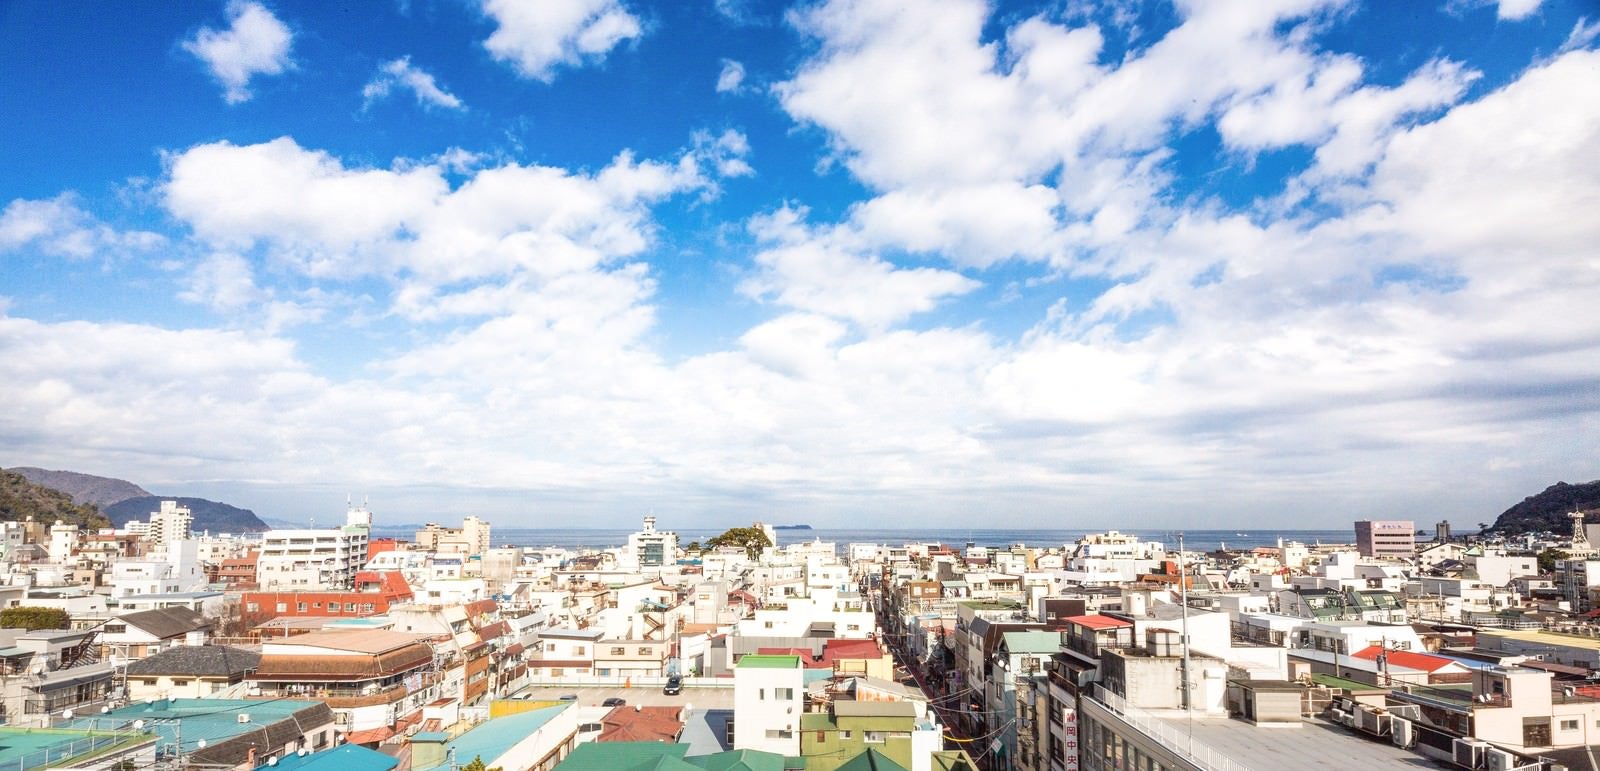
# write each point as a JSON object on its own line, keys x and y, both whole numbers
{"x": 20, "y": 499}
{"x": 210, "y": 516}
{"x": 1548, "y": 510}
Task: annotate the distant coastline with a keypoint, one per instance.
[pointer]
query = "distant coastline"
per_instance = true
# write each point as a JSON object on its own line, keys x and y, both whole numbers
{"x": 791, "y": 527}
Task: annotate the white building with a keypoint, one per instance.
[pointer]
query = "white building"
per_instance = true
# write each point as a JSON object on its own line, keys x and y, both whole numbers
{"x": 650, "y": 548}
{"x": 314, "y": 559}
{"x": 171, "y": 523}
{"x": 767, "y": 696}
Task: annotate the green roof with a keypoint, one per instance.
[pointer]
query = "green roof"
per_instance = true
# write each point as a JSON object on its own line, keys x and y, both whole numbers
{"x": 871, "y": 760}
{"x": 1032, "y": 642}
{"x": 740, "y": 760}
{"x": 769, "y": 661}
{"x": 627, "y": 756}
{"x": 989, "y": 604}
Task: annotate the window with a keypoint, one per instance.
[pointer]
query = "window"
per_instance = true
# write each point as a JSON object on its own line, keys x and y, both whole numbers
{"x": 300, "y": 606}
{"x": 578, "y": 650}
{"x": 1569, "y": 725}
{"x": 251, "y": 607}
{"x": 619, "y": 651}
{"x": 366, "y": 607}
{"x": 845, "y": 735}
{"x": 784, "y": 734}
{"x": 761, "y": 694}
{"x": 783, "y": 694}
{"x": 644, "y": 651}
{"x": 283, "y": 607}
{"x": 179, "y": 683}
{"x": 147, "y": 682}
{"x": 873, "y": 737}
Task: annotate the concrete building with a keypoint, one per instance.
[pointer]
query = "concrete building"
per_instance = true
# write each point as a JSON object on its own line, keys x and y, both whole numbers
{"x": 314, "y": 558}
{"x": 649, "y": 548}
{"x": 768, "y": 697}
{"x": 1386, "y": 538}
{"x": 171, "y": 523}
{"x": 471, "y": 538}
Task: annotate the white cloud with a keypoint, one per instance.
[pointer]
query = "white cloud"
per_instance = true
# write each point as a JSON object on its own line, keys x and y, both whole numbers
{"x": 731, "y": 78}
{"x": 255, "y": 43}
{"x": 1516, "y": 10}
{"x": 536, "y": 38}
{"x": 59, "y": 227}
{"x": 808, "y": 271}
{"x": 400, "y": 73}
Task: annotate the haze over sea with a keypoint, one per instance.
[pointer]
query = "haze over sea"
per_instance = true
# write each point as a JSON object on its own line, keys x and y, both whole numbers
{"x": 1194, "y": 540}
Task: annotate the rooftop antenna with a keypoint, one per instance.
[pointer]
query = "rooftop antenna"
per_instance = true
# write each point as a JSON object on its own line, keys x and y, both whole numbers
{"x": 1580, "y": 538}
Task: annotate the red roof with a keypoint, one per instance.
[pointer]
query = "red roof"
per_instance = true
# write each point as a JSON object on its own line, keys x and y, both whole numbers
{"x": 1097, "y": 621}
{"x": 370, "y": 735}
{"x": 806, "y": 659}
{"x": 641, "y": 724}
{"x": 834, "y": 650}
{"x": 1419, "y": 661}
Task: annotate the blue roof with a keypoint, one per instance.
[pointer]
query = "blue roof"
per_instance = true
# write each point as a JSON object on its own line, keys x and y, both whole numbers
{"x": 345, "y": 757}
{"x": 493, "y": 738}
{"x": 213, "y": 720}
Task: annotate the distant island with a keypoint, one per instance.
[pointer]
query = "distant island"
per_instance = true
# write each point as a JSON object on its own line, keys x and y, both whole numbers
{"x": 791, "y": 527}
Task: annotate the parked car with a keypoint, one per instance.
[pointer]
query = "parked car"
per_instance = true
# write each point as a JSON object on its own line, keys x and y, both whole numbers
{"x": 569, "y": 697}
{"x": 674, "y": 685}
{"x": 614, "y": 702}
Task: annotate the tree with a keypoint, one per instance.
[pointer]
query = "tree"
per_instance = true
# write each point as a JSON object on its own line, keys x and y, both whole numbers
{"x": 694, "y": 546}
{"x": 32, "y": 618}
{"x": 475, "y": 765}
{"x": 751, "y": 539}
{"x": 1548, "y": 557}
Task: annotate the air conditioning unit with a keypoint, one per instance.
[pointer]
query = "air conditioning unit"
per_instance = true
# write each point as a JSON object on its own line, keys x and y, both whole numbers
{"x": 244, "y": 717}
{"x": 1499, "y": 760}
{"x": 1469, "y": 752}
{"x": 1403, "y": 732}
{"x": 1374, "y": 722}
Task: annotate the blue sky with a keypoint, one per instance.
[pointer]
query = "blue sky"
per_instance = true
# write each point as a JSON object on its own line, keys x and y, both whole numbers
{"x": 1287, "y": 262}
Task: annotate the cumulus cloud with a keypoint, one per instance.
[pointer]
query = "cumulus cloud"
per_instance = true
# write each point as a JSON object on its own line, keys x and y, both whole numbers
{"x": 1435, "y": 297}
{"x": 536, "y": 38}
{"x": 808, "y": 271}
{"x": 1516, "y": 10}
{"x": 255, "y": 43}
{"x": 399, "y": 73}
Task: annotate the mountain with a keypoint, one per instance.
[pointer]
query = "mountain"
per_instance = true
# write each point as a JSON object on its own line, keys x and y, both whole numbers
{"x": 1548, "y": 510}
{"x": 20, "y": 499}
{"x": 85, "y": 489}
{"x": 208, "y": 515}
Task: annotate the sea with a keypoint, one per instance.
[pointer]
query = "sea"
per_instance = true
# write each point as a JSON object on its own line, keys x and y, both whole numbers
{"x": 1193, "y": 540}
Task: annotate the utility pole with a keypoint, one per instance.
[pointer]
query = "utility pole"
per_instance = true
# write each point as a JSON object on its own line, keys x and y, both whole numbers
{"x": 1183, "y": 594}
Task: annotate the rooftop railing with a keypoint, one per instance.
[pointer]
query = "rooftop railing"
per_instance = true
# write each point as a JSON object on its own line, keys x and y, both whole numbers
{"x": 1178, "y": 742}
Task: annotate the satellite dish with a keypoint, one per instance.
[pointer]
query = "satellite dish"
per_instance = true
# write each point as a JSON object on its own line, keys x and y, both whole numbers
{"x": 138, "y": 725}
{"x": 272, "y": 761}
{"x": 200, "y": 745}
{"x": 67, "y": 714}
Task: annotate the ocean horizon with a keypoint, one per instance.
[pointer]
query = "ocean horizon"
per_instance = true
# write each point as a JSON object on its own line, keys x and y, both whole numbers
{"x": 1195, "y": 540}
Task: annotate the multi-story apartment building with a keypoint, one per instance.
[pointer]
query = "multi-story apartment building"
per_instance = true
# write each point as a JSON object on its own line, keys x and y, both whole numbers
{"x": 1386, "y": 538}
{"x": 471, "y": 538}
{"x": 314, "y": 559}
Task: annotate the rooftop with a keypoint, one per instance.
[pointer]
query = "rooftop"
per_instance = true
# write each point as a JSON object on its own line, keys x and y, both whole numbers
{"x": 346, "y": 757}
{"x": 764, "y": 661}
{"x": 197, "y": 661}
{"x": 493, "y": 738}
{"x": 1315, "y": 744}
{"x": 358, "y": 640}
